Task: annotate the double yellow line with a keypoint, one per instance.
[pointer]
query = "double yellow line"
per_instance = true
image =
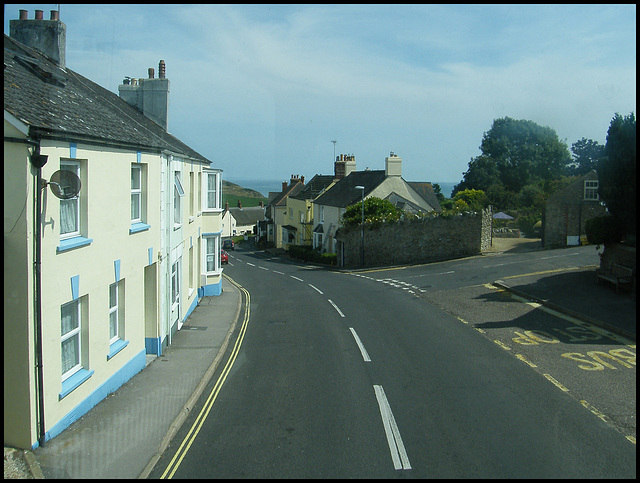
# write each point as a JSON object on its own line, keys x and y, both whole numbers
{"x": 197, "y": 425}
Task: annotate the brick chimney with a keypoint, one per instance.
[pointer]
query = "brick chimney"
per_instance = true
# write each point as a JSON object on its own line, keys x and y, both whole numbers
{"x": 344, "y": 165}
{"x": 149, "y": 96}
{"x": 47, "y": 36}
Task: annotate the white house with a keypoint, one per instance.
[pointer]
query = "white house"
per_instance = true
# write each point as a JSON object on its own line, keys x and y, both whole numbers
{"x": 385, "y": 184}
{"x": 99, "y": 273}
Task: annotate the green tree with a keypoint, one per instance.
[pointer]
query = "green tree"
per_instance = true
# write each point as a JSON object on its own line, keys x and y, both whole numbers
{"x": 516, "y": 153}
{"x": 500, "y": 198}
{"x": 617, "y": 171}
{"x": 533, "y": 196}
{"x": 475, "y": 200}
{"x": 438, "y": 192}
{"x": 586, "y": 154}
{"x": 376, "y": 211}
{"x": 482, "y": 173}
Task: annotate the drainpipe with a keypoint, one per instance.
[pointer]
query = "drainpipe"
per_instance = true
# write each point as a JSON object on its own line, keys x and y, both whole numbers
{"x": 38, "y": 161}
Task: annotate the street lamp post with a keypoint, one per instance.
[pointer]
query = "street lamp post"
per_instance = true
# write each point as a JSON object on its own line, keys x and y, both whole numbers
{"x": 362, "y": 238}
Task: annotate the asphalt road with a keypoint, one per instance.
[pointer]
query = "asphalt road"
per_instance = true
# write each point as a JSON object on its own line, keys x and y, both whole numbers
{"x": 387, "y": 373}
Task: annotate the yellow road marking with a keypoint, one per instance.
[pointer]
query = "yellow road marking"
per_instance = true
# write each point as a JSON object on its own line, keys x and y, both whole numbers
{"x": 501, "y": 344}
{"x": 594, "y": 411}
{"x": 522, "y": 358}
{"x": 204, "y": 412}
{"x": 556, "y": 383}
{"x": 551, "y": 271}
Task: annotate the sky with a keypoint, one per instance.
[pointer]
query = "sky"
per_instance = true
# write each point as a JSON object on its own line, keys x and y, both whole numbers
{"x": 263, "y": 90}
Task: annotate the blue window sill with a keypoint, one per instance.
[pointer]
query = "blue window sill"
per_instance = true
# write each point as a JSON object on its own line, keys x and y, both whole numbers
{"x": 71, "y": 243}
{"x": 116, "y": 347}
{"x": 136, "y": 227}
{"x": 73, "y": 382}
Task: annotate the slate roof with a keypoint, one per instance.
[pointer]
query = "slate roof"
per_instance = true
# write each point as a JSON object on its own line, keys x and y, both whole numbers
{"x": 291, "y": 190}
{"x": 59, "y": 103}
{"x": 426, "y": 191}
{"x": 247, "y": 216}
{"x": 344, "y": 192}
{"x": 314, "y": 187}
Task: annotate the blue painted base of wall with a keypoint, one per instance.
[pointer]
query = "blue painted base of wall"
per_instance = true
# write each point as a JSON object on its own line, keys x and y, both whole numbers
{"x": 195, "y": 303}
{"x": 209, "y": 290}
{"x": 153, "y": 345}
{"x": 131, "y": 368}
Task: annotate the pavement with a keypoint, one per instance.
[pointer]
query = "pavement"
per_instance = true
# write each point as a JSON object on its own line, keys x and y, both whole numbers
{"x": 124, "y": 435}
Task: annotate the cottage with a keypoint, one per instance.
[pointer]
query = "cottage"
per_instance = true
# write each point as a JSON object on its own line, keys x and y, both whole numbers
{"x": 242, "y": 220}
{"x": 357, "y": 185}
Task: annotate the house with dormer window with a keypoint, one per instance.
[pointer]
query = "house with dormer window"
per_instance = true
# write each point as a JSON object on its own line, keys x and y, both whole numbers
{"x": 112, "y": 232}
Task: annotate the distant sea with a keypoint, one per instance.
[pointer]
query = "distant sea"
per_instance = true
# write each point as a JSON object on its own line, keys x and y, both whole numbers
{"x": 264, "y": 186}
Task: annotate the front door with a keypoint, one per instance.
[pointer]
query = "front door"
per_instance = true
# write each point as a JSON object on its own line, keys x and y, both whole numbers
{"x": 175, "y": 295}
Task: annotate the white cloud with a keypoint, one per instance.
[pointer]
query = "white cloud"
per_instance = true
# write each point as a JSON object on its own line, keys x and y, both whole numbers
{"x": 264, "y": 89}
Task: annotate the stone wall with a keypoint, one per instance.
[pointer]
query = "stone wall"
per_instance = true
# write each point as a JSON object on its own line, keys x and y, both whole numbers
{"x": 415, "y": 241}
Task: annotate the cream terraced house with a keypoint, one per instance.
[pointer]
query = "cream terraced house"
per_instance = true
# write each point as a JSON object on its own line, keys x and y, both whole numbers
{"x": 353, "y": 186}
{"x": 97, "y": 281}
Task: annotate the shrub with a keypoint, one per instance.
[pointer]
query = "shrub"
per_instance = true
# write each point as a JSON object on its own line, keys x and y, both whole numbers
{"x": 309, "y": 254}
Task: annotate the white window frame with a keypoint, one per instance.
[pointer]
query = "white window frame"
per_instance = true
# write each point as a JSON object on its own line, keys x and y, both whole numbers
{"x": 74, "y": 333}
{"x": 178, "y": 192}
{"x": 590, "y": 192}
{"x": 192, "y": 194}
{"x": 137, "y": 193}
{"x": 211, "y": 253}
{"x": 64, "y": 165}
{"x": 114, "y": 310}
{"x": 175, "y": 284}
{"x": 217, "y": 202}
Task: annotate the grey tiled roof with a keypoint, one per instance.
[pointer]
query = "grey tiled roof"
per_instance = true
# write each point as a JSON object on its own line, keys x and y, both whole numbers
{"x": 59, "y": 103}
{"x": 344, "y": 192}
{"x": 248, "y": 216}
{"x": 314, "y": 187}
{"x": 291, "y": 190}
{"x": 425, "y": 190}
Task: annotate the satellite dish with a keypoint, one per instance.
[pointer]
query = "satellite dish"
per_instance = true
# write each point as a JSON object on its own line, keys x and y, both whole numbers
{"x": 64, "y": 184}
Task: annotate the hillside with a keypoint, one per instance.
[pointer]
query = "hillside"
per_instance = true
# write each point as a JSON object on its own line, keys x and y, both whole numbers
{"x": 233, "y": 189}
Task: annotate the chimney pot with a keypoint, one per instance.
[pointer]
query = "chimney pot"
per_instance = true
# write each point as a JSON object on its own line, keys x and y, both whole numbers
{"x": 24, "y": 14}
{"x": 38, "y": 14}
{"x": 151, "y": 73}
{"x": 239, "y": 204}
{"x": 162, "y": 70}
{"x": 55, "y": 15}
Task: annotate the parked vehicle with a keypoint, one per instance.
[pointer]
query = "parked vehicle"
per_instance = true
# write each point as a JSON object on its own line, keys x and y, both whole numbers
{"x": 228, "y": 245}
{"x": 224, "y": 257}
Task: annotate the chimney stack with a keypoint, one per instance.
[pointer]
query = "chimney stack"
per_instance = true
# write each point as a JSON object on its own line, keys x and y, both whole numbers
{"x": 47, "y": 36}
{"x": 393, "y": 165}
{"x": 149, "y": 96}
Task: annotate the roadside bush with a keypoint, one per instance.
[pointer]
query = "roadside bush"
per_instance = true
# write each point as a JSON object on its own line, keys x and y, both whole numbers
{"x": 604, "y": 229}
{"x": 309, "y": 254}
{"x": 526, "y": 222}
